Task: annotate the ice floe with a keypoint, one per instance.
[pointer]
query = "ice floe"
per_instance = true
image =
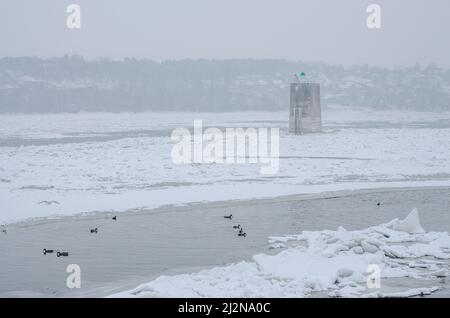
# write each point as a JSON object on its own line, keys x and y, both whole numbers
{"x": 336, "y": 263}
{"x": 411, "y": 224}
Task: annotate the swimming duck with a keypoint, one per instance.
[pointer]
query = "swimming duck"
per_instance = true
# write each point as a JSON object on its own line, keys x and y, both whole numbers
{"x": 242, "y": 234}
{"x": 59, "y": 254}
{"x": 237, "y": 226}
{"x": 229, "y": 216}
{"x": 378, "y": 203}
{"x": 94, "y": 230}
{"x": 46, "y": 251}
{"x": 114, "y": 218}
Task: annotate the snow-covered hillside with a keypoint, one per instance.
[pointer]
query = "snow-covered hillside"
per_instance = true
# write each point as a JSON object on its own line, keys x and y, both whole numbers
{"x": 71, "y": 84}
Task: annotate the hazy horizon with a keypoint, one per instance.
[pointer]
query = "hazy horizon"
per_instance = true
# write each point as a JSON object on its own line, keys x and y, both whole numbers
{"x": 392, "y": 67}
{"x": 294, "y": 30}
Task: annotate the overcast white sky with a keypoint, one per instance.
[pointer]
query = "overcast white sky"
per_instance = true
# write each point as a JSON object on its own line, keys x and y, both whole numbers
{"x": 333, "y": 31}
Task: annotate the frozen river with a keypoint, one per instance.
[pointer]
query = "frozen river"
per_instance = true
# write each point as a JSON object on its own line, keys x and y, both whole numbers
{"x": 63, "y": 174}
{"x": 64, "y": 164}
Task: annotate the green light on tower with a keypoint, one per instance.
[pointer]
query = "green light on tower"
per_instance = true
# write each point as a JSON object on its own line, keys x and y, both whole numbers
{"x": 300, "y": 76}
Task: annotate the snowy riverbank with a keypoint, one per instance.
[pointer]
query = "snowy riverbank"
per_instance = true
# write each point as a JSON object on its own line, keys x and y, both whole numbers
{"x": 339, "y": 262}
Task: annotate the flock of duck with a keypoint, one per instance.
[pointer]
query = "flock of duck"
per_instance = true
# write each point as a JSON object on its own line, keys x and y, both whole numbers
{"x": 46, "y": 251}
{"x": 241, "y": 233}
{"x": 65, "y": 254}
{"x": 114, "y": 218}
{"x": 241, "y": 230}
{"x": 236, "y": 227}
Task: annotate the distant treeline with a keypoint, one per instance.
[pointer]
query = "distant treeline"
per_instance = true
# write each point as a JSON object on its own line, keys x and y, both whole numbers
{"x": 72, "y": 84}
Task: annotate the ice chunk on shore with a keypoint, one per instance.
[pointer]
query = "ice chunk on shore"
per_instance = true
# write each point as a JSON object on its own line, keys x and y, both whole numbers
{"x": 411, "y": 224}
{"x": 358, "y": 250}
{"x": 416, "y": 292}
{"x": 369, "y": 248}
{"x": 345, "y": 272}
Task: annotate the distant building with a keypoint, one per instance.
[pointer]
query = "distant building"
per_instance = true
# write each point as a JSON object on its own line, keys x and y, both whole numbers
{"x": 305, "y": 112}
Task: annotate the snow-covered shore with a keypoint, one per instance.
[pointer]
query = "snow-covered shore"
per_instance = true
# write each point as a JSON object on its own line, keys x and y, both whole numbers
{"x": 338, "y": 262}
{"x": 144, "y": 245}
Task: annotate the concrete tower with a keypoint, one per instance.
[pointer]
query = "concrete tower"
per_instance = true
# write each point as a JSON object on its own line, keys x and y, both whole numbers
{"x": 305, "y": 112}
